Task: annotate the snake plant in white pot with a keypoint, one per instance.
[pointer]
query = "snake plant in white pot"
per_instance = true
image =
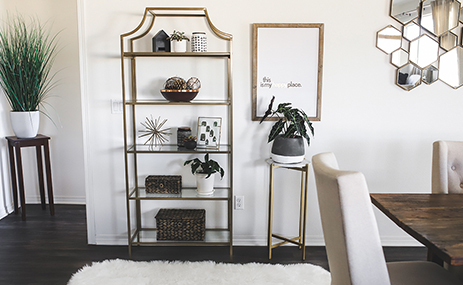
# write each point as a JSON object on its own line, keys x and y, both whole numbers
{"x": 27, "y": 53}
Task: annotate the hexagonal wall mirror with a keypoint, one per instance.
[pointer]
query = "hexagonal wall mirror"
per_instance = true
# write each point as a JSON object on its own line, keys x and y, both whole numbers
{"x": 430, "y": 74}
{"x": 448, "y": 41}
{"x": 405, "y": 11}
{"x": 423, "y": 51}
{"x": 399, "y": 58}
{"x": 389, "y": 39}
{"x": 432, "y": 18}
{"x": 450, "y": 67}
{"x": 408, "y": 77}
{"x": 428, "y": 46}
{"x": 411, "y": 31}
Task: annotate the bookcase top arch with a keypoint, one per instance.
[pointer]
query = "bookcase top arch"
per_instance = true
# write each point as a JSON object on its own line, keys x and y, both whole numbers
{"x": 151, "y": 13}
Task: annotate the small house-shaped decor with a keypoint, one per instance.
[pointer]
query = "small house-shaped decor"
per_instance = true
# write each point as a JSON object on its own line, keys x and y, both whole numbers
{"x": 160, "y": 42}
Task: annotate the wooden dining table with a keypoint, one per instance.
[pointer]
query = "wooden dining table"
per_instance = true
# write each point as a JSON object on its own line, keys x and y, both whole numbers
{"x": 435, "y": 220}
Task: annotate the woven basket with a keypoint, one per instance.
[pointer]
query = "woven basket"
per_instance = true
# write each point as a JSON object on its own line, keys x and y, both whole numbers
{"x": 181, "y": 224}
{"x": 163, "y": 184}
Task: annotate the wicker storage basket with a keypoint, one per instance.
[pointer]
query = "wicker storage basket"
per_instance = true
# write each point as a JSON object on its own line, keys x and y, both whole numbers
{"x": 164, "y": 184}
{"x": 181, "y": 224}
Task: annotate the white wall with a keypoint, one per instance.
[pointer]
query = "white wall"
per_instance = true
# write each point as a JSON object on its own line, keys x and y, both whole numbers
{"x": 66, "y": 145}
{"x": 371, "y": 124}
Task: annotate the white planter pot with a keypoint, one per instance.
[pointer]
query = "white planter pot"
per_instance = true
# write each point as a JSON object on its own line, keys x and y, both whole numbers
{"x": 25, "y": 124}
{"x": 178, "y": 46}
{"x": 205, "y": 187}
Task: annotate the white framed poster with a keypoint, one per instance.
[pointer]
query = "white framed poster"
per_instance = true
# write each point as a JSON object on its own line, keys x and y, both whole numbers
{"x": 287, "y": 63}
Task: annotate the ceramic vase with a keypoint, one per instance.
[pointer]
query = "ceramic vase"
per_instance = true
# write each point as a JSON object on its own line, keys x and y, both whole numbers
{"x": 205, "y": 187}
{"x": 25, "y": 124}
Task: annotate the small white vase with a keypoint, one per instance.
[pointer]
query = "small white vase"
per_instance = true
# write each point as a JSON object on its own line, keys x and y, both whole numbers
{"x": 178, "y": 46}
{"x": 205, "y": 187}
{"x": 25, "y": 124}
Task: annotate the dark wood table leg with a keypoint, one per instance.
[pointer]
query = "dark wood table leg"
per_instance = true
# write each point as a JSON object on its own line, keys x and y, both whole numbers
{"x": 13, "y": 179}
{"x": 49, "y": 182}
{"x": 19, "y": 169}
{"x": 434, "y": 258}
{"x": 38, "y": 150}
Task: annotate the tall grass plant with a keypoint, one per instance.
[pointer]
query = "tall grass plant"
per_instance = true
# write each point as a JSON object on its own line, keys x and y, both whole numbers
{"x": 27, "y": 53}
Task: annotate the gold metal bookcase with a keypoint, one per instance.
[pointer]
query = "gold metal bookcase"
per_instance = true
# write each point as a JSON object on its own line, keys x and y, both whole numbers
{"x": 135, "y": 194}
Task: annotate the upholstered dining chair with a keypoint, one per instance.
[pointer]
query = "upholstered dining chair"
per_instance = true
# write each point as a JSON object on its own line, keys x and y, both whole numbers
{"x": 353, "y": 246}
{"x": 447, "y": 167}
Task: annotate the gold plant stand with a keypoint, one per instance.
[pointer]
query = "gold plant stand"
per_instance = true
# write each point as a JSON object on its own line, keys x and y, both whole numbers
{"x": 303, "y": 167}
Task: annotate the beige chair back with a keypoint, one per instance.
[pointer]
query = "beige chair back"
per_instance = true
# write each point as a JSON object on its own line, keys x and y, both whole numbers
{"x": 447, "y": 167}
{"x": 353, "y": 246}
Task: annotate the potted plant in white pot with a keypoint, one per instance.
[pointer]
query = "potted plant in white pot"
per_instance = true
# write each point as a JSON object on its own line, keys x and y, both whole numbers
{"x": 27, "y": 53}
{"x": 288, "y": 133}
{"x": 178, "y": 41}
{"x": 205, "y": 173}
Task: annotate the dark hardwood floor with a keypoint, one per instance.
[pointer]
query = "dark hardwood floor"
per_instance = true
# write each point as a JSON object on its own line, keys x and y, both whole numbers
{"x": 48, "y": 250}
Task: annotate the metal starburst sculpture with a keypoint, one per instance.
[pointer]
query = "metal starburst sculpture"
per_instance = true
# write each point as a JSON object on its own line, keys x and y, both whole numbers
{"x": 154, "y": 131}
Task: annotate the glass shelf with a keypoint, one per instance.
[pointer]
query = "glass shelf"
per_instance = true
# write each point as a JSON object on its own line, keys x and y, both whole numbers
{"x": 173, "y": 148}
{"x": 212, "y": 236}
{"x": 165, "y": 102}
{"x": 220, "y": 193}
{"x": 177, "y": 54}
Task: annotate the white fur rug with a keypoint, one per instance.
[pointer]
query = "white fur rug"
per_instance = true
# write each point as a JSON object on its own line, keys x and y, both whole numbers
{"x": 125, "y": 272}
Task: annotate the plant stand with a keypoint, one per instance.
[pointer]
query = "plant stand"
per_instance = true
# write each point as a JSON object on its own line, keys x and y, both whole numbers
{"x": 16, "y": 144}
{"x": 303, "y": 167}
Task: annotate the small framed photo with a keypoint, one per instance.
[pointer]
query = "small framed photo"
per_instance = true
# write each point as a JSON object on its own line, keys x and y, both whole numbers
{"x": 209, "y": 132}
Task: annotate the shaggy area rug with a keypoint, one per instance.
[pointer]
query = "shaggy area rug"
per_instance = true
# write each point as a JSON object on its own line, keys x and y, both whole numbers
{"x": 125, "y": 272}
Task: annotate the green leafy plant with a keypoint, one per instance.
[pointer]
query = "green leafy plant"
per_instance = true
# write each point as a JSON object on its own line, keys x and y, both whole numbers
{"x": 208, "y": 167}
{"x": 27, "y": 53}
{"x": 178, "y": 36}
{"x": 292, "y": 122}
{"x": 189, "y": 139}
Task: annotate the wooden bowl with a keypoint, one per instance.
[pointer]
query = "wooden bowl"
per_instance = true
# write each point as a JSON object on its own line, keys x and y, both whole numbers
{"x": 179, "y": 95}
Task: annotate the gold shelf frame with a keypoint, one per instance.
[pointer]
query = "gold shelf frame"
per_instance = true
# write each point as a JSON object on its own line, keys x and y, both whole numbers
{"x": 130, "y": 101}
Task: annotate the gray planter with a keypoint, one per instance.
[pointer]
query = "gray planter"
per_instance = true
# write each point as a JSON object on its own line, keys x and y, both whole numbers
{"x": 288, "y": 150}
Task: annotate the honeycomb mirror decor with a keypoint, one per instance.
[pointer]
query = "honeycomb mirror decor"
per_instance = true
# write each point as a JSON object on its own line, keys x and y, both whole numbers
{"x": 428, "y": 44}
{"x": 405, "y": 11}
{"x": 440, "y": 16}
{"x": 411, "y": 31}
{"x": 450, "y": 67}
{"x": 430, "y": 74}
{"x": 408, "y": 77}
{"x": 423, "y": 51}
{"x": 448, "y": 41}
{"x": 399, "y": 57}
{"x": 389, "y": 39}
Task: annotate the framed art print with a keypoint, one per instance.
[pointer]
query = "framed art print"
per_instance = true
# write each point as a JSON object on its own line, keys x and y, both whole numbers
{"x": 209, "y": 129}
{"x": 287, "y": 62}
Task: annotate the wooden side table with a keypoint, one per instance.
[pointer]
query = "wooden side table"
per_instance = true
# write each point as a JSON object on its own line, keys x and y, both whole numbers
{"x": 16, "y": 144}
{"x": 303, "y": 167}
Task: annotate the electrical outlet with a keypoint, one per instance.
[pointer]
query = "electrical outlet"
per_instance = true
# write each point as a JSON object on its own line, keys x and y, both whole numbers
{"x": 116, "y": 106}
{"x": 239, "y": 202}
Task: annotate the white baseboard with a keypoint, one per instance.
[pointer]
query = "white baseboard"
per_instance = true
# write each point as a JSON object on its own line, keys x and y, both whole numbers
{"x": 399, "y": 241}
{"x": 73, "y": 200}
{"x": 245, "y": 240}
{"x": 36, "y": 200}
{"x": 6, "y": 211}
